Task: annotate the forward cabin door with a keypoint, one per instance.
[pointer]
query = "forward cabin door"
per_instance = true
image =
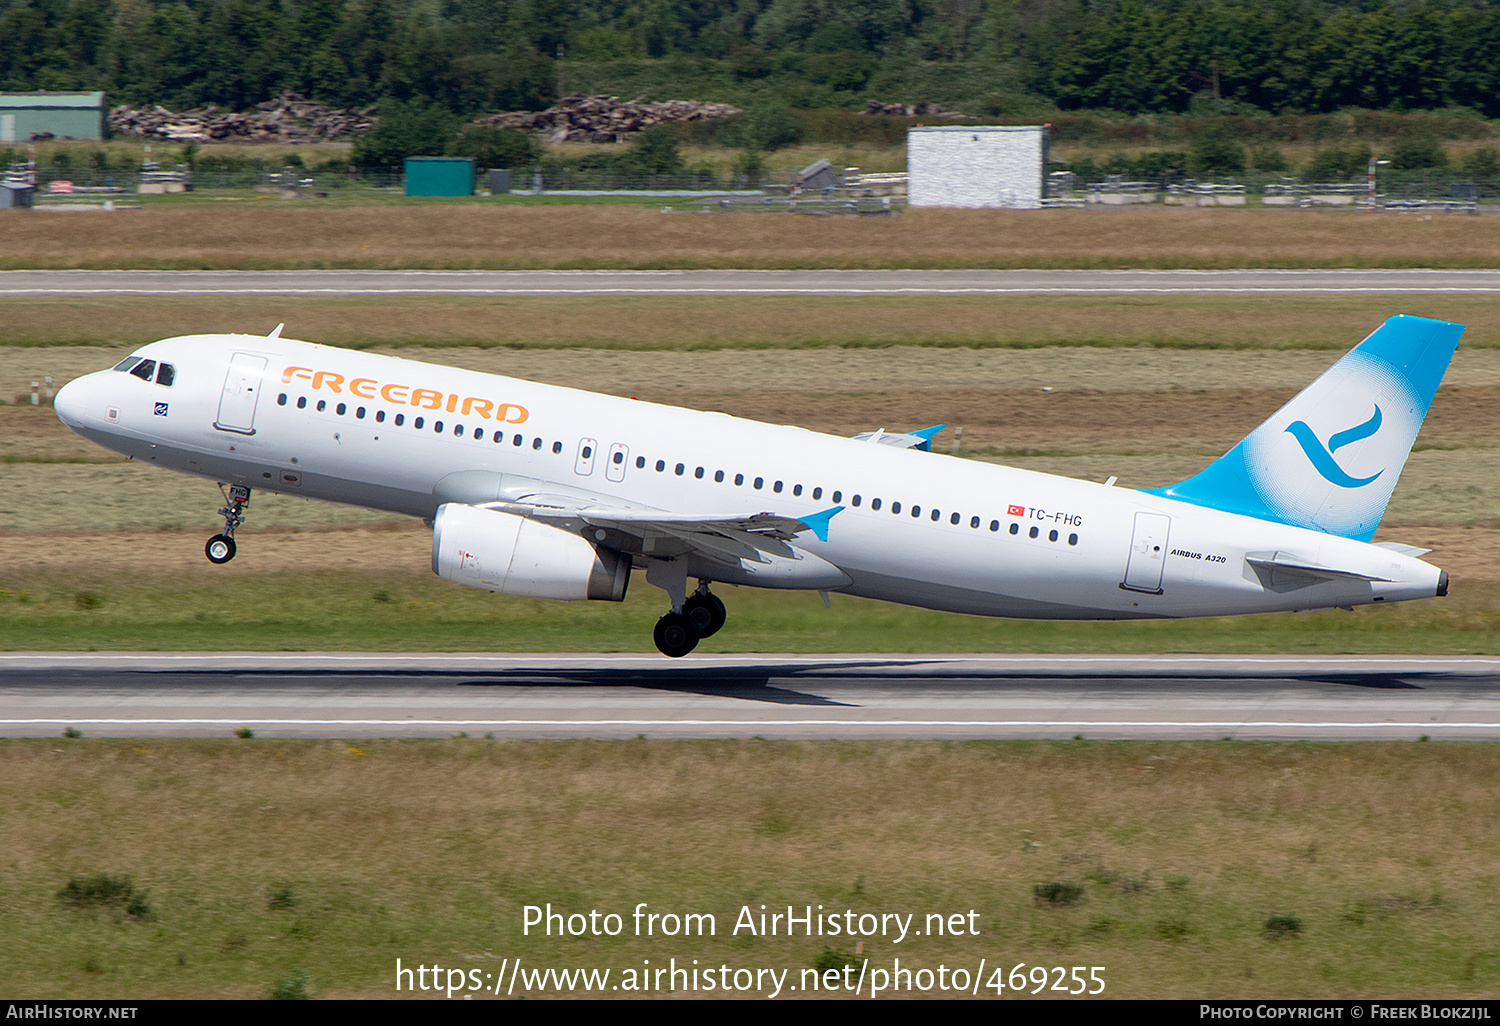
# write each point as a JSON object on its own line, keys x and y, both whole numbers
{"x": 1148, "y": 553}
{"x": 241, "y": 394}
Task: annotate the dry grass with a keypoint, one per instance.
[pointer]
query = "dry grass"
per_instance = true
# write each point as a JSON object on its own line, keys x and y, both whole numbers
{"x": 481, "y": 234}
{"x": 773, "y": 322}
{"x": 258, "y": 857}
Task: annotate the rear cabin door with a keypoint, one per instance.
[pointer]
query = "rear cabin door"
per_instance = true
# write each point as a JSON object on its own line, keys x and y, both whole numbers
{"x": 1148, "y": 553}
{"x": 241, "y": 394}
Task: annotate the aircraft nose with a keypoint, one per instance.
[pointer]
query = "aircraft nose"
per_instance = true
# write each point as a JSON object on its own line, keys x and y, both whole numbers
{"x": 70, "y": 402}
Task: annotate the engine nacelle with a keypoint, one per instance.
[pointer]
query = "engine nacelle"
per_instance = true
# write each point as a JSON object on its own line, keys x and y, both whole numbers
{"x": 484, "y": 548}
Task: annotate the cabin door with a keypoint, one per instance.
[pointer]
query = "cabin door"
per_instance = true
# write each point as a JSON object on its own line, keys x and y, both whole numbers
{"x": 1148, "y": 553}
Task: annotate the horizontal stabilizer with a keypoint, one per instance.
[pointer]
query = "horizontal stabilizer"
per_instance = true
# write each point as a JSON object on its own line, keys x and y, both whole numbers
{"x": 1281, "y": 571}
{"x": 1403, "y": 550}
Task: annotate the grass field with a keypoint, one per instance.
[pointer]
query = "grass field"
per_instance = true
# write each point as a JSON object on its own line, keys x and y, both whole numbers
{"x": 478, "y": 234}
{"x": 1186, "y": 870}
{"x": 237, "y": 867}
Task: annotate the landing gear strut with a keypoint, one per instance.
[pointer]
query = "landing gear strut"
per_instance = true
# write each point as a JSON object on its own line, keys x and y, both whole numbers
{"x": 220, "y": 548}
{"x": 692, "y": 618}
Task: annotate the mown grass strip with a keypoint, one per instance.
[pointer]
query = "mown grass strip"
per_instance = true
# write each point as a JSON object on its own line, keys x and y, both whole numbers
{"x": 389, "y": 612}
{"x": 684, "y": 323}
{"x": 1218, "y": 869}
{"x": 469, "y": 235}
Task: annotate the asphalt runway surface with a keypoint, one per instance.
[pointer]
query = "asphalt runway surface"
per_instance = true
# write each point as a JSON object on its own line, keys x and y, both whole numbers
{"x": 328, "y": 695}
{"x": 732, "y": 282}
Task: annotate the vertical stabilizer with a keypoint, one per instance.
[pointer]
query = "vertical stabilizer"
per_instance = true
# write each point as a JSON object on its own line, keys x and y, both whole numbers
{"x": 1329, "y": 459}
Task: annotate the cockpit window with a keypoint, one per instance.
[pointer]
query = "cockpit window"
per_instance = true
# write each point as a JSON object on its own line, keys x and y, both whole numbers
{"x": 127, "y": 363}
{"x": 164, "y": 374}
{"x": 144, "y": 369}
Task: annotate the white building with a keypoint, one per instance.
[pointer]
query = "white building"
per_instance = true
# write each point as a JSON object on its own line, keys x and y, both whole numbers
{"x": 978, "y": 166}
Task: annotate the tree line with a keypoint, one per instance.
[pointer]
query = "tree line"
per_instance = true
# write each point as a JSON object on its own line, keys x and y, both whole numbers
{"x": 991, "y": 57}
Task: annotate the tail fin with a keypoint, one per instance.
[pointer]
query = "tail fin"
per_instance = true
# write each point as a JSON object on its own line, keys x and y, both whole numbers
{"x": 1329, "y": 459}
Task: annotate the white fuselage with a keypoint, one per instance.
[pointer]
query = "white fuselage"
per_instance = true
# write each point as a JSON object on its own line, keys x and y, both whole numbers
{"x": 917, "y": 528}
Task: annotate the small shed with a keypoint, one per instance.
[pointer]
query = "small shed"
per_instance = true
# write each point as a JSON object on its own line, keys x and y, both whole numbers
{"x": 819, "y": 176}
{"x": 58, "y": 115}
{"x": 17, "y": 194}
{"x": 439, "y": 176}
{"x": 977, "y": 166}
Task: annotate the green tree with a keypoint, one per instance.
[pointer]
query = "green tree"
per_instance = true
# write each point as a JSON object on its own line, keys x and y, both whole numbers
{"x": 1419, "y": 153}
{"x": 653, "y": 152}
{"x": 418, "y": 128}
{"x": 497, "y": 147}
{"x": 766, "y": 128}
{"x": 1216, "y": 153}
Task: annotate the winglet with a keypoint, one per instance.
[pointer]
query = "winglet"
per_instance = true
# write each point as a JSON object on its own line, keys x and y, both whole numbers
{"x": 276, "y": 331}
{"x": 817, "y": 523}
{"x": 926, "y": 434}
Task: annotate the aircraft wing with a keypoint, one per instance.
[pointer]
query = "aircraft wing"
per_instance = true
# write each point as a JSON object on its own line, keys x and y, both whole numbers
{"x": 902, "y": 440}
{"x": 727, "y": 539}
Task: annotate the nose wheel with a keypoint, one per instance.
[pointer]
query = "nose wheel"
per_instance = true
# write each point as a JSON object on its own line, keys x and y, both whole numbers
{"x": 221, "y": 548}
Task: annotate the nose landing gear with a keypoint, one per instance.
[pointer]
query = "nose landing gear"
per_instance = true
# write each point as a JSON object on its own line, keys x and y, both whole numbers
{"x": 221, "y": 547}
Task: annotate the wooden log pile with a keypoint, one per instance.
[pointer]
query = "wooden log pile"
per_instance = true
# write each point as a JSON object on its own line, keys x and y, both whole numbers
{"x": 288, "y": 118}
{"x": 581, "y": 118}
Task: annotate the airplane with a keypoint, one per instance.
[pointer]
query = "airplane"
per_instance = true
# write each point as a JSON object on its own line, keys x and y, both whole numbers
{"x": 544, "y": 491}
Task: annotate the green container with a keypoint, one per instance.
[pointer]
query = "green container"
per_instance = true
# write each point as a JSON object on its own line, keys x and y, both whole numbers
{"x": 439, "y": 176}
{"x": 64, "y": 115}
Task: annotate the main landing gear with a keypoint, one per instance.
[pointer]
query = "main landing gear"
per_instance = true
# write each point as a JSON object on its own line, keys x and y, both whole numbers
{"x": 220, "y": 548}
{"x": 692, "y": 617}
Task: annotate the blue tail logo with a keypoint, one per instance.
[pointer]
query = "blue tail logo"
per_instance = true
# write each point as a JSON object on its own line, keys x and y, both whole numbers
{"x": 1322, "y": 459}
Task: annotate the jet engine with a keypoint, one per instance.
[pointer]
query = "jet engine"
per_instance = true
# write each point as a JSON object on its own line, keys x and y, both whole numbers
{"x": 485, "y": 548}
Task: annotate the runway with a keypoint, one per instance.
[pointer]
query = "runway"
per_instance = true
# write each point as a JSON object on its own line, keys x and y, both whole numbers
{"x": 331, "y": 695}
{"x": 332, "y": 284}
